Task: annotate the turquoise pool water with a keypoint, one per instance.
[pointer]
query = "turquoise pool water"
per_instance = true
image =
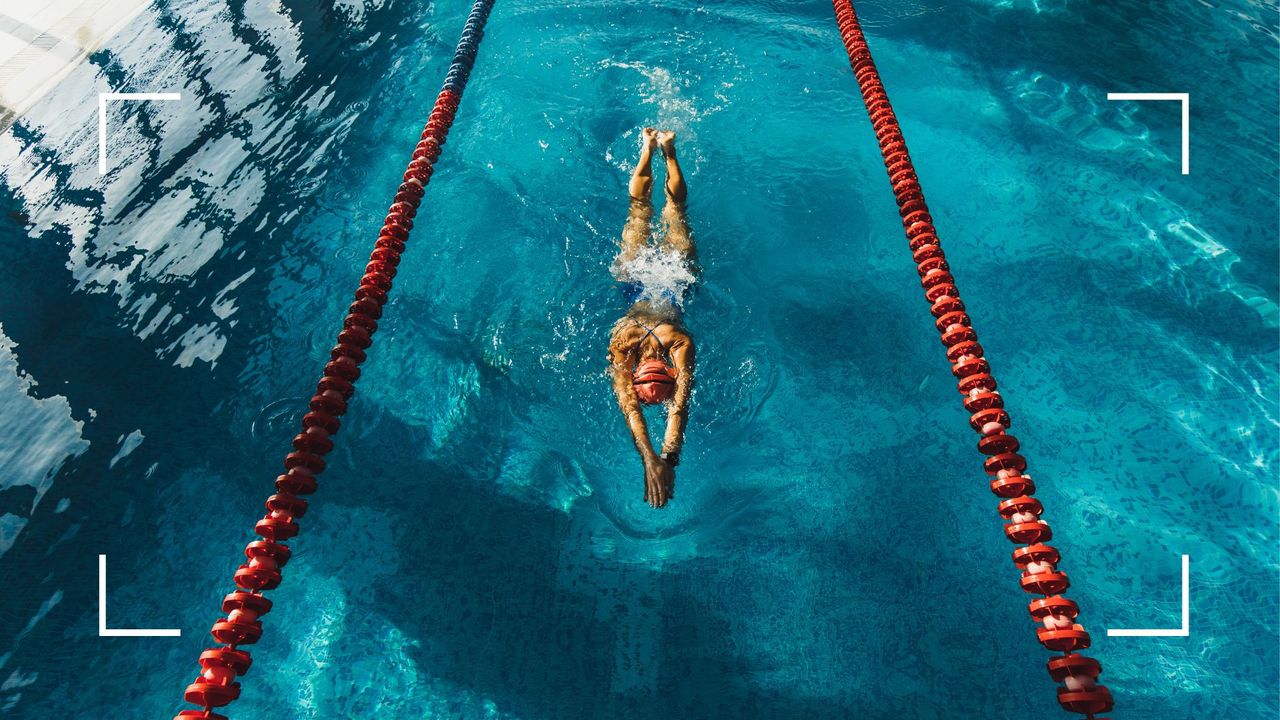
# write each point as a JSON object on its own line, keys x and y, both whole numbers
{"x": 479, "y": 547}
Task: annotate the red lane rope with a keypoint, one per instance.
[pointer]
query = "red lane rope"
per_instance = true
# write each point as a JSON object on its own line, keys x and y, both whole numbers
{"x": 1080, "y": 692}
{"x": 216, "y": 685}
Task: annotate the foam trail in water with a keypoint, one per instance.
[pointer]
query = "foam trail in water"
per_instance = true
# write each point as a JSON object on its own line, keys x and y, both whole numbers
{"x": 662, "y": 273}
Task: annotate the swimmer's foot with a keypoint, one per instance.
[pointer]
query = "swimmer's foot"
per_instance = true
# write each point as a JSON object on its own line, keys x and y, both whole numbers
{"x": 667, "y": 141}
{"x": 648, "y": 138}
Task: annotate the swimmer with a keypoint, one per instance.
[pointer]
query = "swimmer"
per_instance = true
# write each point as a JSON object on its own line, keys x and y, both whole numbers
{"x": 650, "y": 351}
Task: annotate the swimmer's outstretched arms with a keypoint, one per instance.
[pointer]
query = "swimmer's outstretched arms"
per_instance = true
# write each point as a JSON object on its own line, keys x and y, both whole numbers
{"x": 651, "y": 354}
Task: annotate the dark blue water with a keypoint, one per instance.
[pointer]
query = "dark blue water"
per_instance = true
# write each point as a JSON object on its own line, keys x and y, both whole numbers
{"x": 479, "y": 547}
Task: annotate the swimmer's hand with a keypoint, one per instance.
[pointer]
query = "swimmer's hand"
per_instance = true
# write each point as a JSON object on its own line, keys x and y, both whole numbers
{"x": 659, "y": 481}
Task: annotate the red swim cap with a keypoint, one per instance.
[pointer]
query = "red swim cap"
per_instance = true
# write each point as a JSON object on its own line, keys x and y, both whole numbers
{"x": 654, "y": 381}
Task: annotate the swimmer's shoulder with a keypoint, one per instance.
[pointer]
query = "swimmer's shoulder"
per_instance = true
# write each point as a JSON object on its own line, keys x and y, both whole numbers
{"x": 624, "y": 327}
{"x": 626, "y": 335}
{"x": 675, "y": 334}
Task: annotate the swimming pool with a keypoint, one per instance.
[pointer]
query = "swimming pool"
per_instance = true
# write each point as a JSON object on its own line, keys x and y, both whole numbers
{"x": 479, "y": 547}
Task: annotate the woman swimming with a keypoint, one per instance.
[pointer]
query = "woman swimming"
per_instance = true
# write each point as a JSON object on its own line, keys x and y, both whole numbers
{"x": 650, "y": 351}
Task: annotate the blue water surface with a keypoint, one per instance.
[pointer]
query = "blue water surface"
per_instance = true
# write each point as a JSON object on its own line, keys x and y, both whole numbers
{"x": 479, "y": 547}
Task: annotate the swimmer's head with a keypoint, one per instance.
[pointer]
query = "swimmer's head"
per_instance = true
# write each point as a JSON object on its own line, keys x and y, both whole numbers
{"x": 654, "y": 381}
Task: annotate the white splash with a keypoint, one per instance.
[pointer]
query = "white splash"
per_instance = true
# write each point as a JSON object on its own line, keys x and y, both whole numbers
{"x": 662, "y": 273}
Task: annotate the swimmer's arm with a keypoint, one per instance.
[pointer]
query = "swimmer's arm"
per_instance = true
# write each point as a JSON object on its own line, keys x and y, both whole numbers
{"x": 682, "y": 355}
{"x": 629, "y": 403}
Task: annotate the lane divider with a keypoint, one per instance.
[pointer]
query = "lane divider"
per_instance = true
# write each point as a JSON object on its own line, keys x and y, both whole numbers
{"x": 1059, "y": 631}
{"x": 216, "y": 685}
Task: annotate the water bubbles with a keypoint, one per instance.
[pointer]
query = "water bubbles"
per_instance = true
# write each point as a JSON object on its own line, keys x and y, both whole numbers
{"x": 663, "y": 275}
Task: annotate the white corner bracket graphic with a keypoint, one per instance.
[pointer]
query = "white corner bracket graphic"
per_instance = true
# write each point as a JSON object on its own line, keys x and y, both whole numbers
{"x": 103, "y": 98}
{"x": 1185, "y": 99}
{"x": 1183, "y": 631}
{"x": 103, "y": 630}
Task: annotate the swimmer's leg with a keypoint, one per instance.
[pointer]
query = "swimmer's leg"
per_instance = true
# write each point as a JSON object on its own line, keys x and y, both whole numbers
{"x": 636, "y": 232}
{"x": 641, "y": 185}
{"x": 676, "y": 190}
{"x": 673, "y": 213}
